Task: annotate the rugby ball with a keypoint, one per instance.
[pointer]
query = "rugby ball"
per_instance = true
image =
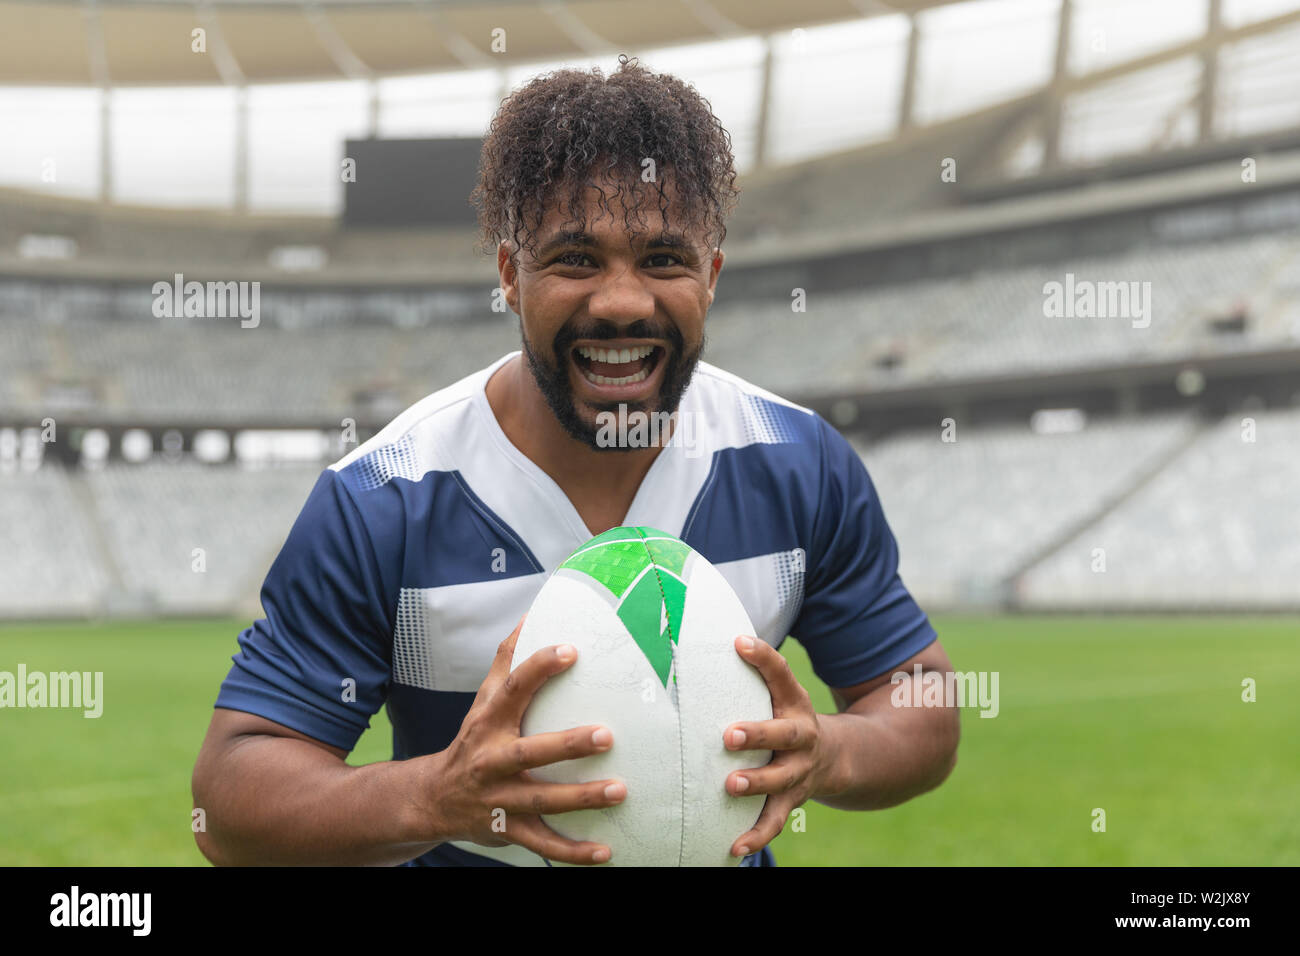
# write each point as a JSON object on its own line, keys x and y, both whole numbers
{"x": 655, "y": 626}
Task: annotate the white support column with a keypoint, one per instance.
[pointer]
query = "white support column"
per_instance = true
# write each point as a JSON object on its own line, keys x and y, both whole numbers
{"x": 372, "y": 117}
{"x": 907, "y": 100}
{"x": 227, "y": 67}
{"x": 105, "y": 145}
{"x": 764, "y": 104}
{"x": 241, "y": 148}
{"x": 1210, "y": 72}
{"x": 1056, "y": 93}
{"x": 99, "y": 75}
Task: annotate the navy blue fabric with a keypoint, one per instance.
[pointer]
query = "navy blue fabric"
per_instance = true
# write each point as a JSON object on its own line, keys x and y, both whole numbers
{"x": 330, "y": 600}
{"x": 466, "y": 530}
{"x": 425, "y": 721}
{"x": 858, "y": 621}
{"x": 812, "y": 491}
{"x": 756, "y": 500}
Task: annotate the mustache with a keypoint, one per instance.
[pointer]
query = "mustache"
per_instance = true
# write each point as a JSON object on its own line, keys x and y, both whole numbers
{"x": 604, "y": 331}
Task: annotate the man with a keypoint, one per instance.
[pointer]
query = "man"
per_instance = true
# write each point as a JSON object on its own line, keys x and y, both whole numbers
{"x": 605, "y": 198}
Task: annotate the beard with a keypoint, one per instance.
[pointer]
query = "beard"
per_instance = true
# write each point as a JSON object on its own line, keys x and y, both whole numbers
{"x": 551, "y": 373}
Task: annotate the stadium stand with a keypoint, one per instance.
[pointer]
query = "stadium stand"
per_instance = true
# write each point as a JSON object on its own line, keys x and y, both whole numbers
{"x": 993, "y": 323}
{"x": 968, "y": 513}
{"x": 122, "y": 540}
{"x": 153, "y": 527}
{"x": 49, "y": 564}
{"x": 1188, "y": 515}
{"x": 984, "y": 324}
{"x": 1218, "y": 528}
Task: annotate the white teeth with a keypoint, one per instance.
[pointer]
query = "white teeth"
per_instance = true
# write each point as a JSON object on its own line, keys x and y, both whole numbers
{"x": 640, "y": 376}
{"x": 616, "y": 356}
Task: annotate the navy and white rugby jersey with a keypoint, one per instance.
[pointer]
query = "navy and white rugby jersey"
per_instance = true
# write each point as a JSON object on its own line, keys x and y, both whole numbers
{"x": 416, "y": 555}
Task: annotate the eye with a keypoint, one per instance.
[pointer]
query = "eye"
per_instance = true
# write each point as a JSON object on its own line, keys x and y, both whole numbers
{"x": 673, "y": 260}
{"x": 571, "y": 258}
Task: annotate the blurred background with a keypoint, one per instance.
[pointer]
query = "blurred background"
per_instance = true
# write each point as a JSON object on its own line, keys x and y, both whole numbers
{"x": 1103, "y": 499}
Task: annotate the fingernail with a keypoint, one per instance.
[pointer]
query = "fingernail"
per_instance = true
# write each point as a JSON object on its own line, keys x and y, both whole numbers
{"x": 615, "y": 791}
{"x": 737, "y": 738}
{"x": 602, "y": 737}
{"x": 600, "y": 856}
{"x": 742, "y": 784}
{"x": 743, "y": 851}
{"x": 747, "y": 643}
{"x": 566, "y": 652}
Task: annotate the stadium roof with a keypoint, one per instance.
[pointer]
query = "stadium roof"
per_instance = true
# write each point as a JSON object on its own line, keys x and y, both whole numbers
{"x": 148, "y": 42}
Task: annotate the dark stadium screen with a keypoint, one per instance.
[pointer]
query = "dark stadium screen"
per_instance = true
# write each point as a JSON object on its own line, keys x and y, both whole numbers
{"x": 410, "y": 182}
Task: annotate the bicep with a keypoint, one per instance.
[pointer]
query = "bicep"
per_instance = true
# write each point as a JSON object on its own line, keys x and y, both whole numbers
{"x": 247, "y": 769}
{"x": 229, "y": 728}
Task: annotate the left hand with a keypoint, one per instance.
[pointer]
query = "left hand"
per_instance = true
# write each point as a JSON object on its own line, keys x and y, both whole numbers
{"x": 801, "y": 760}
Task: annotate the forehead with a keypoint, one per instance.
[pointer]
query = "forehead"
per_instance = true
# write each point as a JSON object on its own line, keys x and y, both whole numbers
{"x": 617, "y": 210}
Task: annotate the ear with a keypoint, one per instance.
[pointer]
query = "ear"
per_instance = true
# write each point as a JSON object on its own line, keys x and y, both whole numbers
{"x": 714, "y": 268}
{"x": 507, "y": 269}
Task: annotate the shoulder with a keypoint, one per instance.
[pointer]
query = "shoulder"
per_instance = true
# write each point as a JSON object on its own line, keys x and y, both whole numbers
{"x": 786, "y": 454}
{"x": 769, "y": 462}
{"x": 417, "y": 441}
{"x": 735, "y": 413}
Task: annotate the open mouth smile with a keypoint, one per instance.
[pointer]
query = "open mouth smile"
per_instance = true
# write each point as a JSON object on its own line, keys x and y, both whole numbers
{"x": 614, "y": 366}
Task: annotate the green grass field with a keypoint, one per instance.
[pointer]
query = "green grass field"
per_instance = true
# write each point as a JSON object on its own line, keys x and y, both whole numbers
{"x": 1142, "y": 717}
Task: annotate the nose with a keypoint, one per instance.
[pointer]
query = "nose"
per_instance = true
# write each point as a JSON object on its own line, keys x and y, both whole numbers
{"x": 622, "y": 297}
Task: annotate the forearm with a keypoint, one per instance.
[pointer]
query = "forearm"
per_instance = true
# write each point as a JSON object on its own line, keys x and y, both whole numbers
{"x": 278, "y": 801}
{"x": 880, "y": 755}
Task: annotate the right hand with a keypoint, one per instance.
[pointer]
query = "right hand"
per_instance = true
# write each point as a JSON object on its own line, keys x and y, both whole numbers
{"x": 485, "y": 769}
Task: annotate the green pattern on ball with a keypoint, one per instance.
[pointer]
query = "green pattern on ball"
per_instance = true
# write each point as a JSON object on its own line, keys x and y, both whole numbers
{"x": 615, "y": 565}
{"x": 668, "y": 554}
{"x": 642, "y": 568}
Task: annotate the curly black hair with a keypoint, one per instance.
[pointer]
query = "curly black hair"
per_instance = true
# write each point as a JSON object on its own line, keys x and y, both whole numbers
{"x": 569, "y": 130}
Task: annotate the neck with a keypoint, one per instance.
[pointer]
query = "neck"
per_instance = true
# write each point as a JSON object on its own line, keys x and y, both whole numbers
{"x": 586, "y": 475}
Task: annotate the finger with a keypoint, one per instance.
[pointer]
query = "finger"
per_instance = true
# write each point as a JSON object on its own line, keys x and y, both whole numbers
{"x": 785, "y": 689}
{"x": 500, "y": 664}
{"x": 533, "y": 797}
{"x": 532, "y": 833}
{"x": 516, "y": 691}
{"x": 765, "y": 830}
{"x": 784, "y": 733}
{"x": 780, "y": 776}
{"x": 538, "y": 750}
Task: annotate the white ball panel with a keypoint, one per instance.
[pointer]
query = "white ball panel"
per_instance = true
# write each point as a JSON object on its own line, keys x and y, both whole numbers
{"x": 715, "y": 688}
{"x": 611, "y": 684}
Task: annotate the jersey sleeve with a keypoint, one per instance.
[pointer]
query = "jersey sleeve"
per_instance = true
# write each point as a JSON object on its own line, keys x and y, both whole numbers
{"x": 857, "y": 621}
{"x": 320, "y": 662}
